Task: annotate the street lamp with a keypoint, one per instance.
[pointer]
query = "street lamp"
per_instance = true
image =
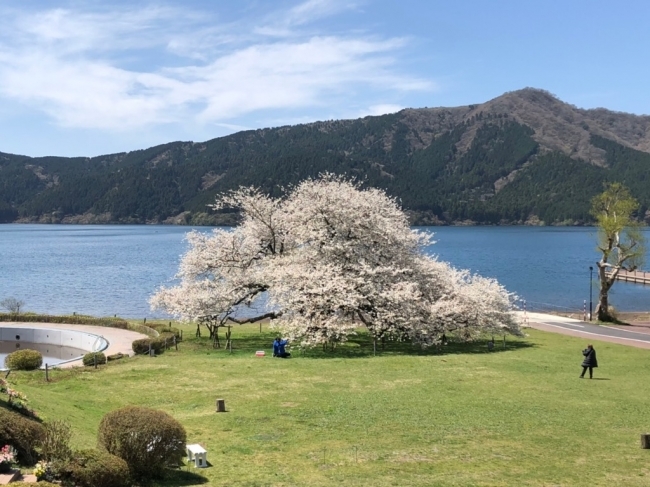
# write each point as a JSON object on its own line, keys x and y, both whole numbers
{"x": 591, "y": 280}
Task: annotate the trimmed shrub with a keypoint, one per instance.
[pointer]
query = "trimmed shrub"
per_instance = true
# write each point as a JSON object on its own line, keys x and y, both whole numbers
{"x": 169, "y": 337}
{"x": 93, "y": 468}
{"x": 24, "y": 434}
{"x": 56, "y": 441}
{"x": 142, "y": 345}
{"x": 89, "y": 358}
{"x": 68, "y": 320}
{"x": 25, "y": 359}
{"x": 147, "y": 439}
{"x": 162, "y": 328}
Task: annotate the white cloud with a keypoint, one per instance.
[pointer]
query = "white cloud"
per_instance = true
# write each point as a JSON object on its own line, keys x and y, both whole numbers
{"x": 381, "y": 109}
{"x": 138, "y": 68}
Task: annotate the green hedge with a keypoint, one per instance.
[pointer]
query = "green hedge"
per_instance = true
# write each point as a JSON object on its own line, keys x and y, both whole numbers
{"x": 162, "y": 328}
{"x": 93, "y": 468}
{"x": 25, "y": 359}
{"x": 89, "y": 358}
{"x": 68, "y": 320}
{"x": 24, "y": 434}
{"x": 141, "y": 346}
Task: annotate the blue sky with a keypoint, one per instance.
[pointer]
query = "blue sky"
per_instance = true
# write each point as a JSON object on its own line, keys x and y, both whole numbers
{"x": 84, "y": 78}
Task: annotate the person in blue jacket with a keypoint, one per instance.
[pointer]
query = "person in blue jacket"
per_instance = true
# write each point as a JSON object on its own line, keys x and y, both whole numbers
{"x": 278, "y": 348}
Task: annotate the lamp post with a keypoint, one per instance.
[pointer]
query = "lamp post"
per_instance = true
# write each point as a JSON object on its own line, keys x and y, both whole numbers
{"x": 591, "y": 280}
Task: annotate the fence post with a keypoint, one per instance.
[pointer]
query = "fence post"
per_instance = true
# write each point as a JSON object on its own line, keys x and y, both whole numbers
{"x": 47, "y": 375}
{"x": 525, "y": 314}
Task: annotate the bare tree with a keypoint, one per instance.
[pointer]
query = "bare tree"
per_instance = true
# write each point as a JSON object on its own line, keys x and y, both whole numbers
{"x": 12, "y": 305}
{"x": 620, "y": 241}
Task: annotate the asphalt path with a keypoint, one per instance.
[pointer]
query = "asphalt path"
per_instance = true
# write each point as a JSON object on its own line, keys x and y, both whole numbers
{"x": 577, "y": 328}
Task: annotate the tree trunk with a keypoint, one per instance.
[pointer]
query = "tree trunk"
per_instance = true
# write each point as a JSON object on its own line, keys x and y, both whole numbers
{"x": 602, "y": 309}
{"x": 221, "y": 405}
{"x": 645, "y": 441}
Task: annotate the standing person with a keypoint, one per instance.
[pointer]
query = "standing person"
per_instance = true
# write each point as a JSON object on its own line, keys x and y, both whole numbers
{"x": 590, "y": 361}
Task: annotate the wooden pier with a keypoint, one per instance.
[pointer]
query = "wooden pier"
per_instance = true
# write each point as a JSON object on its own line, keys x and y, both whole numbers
{"x": 637, "y": 277}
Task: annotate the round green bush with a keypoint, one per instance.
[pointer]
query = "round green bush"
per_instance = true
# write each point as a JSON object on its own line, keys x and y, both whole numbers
{"x": 147, "y": 439}
{"x": 142, "y": 345}
{"x": 93, "y": 468}
{"x": 23, "y": 433}
{"x": 89, "y": 358}
{"x": 24, "y": 360}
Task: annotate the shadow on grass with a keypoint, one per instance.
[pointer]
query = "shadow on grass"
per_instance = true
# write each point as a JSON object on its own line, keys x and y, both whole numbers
{"x": 181, "y": 477}
{"x": 361, "y": 346}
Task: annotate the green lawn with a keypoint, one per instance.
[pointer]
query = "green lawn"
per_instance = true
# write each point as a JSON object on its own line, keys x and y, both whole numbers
{"x": 517, "y": 417}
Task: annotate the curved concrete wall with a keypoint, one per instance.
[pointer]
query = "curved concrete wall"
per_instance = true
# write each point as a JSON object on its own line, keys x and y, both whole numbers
{"x": 73, "y": 344}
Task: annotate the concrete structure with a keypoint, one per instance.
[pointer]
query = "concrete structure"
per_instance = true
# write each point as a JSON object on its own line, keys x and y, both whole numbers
{"x": 73, "y": 339}
{"x": 198, "y": 455}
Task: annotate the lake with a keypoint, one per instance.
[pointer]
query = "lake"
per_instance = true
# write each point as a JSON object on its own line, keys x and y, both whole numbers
{"x": 104, "y": 270}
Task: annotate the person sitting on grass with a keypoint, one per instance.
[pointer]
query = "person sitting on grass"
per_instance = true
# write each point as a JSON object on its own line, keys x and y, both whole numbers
{"x": 278, "y": 348}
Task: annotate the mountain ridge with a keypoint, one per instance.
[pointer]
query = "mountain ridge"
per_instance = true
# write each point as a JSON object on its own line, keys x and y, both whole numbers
{"x": 447, "y": 165}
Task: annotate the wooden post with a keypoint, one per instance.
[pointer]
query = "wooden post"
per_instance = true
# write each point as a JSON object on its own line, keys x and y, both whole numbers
{"x": 221, "y": 405}
{"x": 145, "y": 321}
{"x": 47, "y": 375}
{"x": 175, "y": 343}
{"x": 645, "y": 441}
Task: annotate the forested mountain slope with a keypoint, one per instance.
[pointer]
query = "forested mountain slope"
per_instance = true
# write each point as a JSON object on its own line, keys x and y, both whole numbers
{"x": 524, "y": 157}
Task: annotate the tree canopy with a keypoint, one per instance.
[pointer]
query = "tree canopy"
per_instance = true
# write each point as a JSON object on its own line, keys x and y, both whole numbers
{"x": 329, "y": 256}
{"x": 620, "y": 242}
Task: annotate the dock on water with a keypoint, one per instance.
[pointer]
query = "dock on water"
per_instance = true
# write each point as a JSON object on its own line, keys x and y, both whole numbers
{"x": 638, "y": 277}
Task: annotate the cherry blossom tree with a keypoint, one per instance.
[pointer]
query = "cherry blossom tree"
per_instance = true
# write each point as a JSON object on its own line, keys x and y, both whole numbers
{"x": 329, "y": 257}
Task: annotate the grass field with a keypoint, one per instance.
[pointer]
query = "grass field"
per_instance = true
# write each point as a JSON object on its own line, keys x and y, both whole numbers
{"x": 463, "y": 417}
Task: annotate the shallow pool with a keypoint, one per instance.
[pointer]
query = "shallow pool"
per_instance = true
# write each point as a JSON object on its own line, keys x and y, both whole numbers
{"x": 52, "y": 354}
{"x": 56, "y": 346}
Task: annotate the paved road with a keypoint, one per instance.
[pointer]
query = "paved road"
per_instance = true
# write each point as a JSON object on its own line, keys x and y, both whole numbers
{"x": 577, "y": 328}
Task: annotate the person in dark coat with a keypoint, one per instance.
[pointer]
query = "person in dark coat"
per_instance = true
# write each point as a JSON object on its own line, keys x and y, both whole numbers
{"x": 590, "y": 361}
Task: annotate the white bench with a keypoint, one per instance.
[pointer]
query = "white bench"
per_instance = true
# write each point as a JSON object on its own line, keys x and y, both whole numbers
{"x": 197, "y": 454}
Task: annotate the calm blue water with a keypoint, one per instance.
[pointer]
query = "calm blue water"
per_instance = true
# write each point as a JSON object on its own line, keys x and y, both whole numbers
{"x": 107, "y": 269}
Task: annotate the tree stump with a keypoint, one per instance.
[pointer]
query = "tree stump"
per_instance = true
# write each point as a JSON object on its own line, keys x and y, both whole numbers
{"x": 645, "y": 441}
{"x": 221, "y": 405}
